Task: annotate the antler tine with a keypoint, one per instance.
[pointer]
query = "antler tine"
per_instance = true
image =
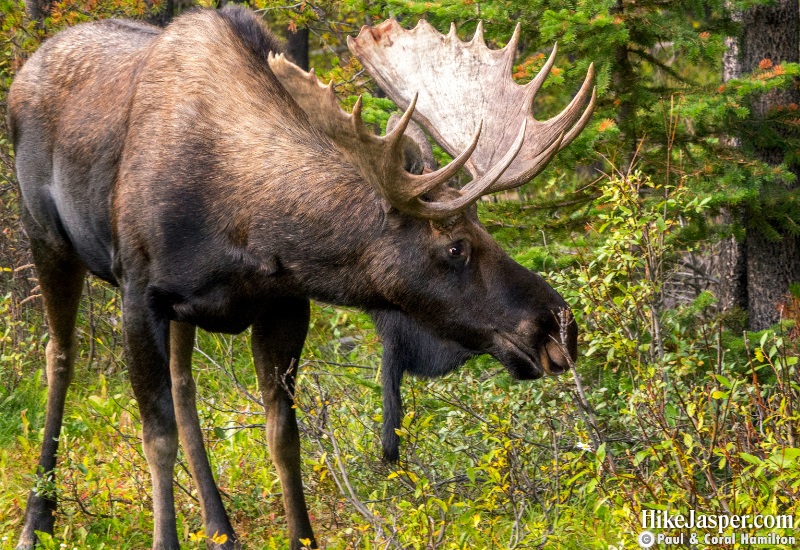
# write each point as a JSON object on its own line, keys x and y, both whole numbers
{"x": 532, "y": 87}
{"x": 414, "y": 186}
{"x": 537, "y": 166}
{"x": 510, "y": 49}
{"x": 564, "y": 139}
{"x": 571, "y": 113}
{"x": 451, "y": 34}
{"x": 583, "y": 121}
{"x": 477, "y": 38}
{"x": 358, "y": 123}
{"x": 395, "y": 136}
{"x": 475, "y": 189}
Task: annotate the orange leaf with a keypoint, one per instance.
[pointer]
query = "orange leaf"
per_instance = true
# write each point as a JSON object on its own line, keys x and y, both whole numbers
{"x": 606, "y": 124}
{"x": 765, "y": 64}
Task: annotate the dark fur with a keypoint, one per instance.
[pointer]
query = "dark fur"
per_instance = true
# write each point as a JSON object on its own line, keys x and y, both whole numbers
{"x": 174, "y": 165}
{"x": 409, "y": 348}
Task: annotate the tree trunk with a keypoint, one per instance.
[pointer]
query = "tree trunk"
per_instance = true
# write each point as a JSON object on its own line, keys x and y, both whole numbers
{"x": 37, "y": 10}
{"x": 770, "y": 32}
{"x": 163, "y": 17}
{"x": 732, "y": 259}
{"x": 732, "y": 267}
{"x": 297, "y": 47}
{"x": 623, "y": 80}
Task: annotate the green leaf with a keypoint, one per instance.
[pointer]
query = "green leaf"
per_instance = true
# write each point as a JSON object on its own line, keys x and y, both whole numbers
{"x": 723, "y": 380}
{"x": 601, "y": 453}
{"x": 752, "y": 459}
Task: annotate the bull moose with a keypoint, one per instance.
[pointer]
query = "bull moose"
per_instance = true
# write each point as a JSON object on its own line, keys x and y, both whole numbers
{"x": 220, "y": 186}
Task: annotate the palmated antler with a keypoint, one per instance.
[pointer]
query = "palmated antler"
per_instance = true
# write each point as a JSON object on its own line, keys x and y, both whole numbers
{"x": 456, "y": 85}
{"x": 379, "y": 159}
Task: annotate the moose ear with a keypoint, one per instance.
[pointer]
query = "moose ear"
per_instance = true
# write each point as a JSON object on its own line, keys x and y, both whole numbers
{"x": 412, "y": 157}
{"x": 417, "y": 150}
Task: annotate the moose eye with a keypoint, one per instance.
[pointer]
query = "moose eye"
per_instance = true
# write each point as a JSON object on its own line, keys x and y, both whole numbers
{"x": 458, "y": 250}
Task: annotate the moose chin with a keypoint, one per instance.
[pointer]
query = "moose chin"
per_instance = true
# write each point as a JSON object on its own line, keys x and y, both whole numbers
{"x": 220, "y": 186}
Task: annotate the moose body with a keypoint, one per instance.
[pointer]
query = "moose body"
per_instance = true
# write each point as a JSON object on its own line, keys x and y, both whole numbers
{"x": 181, "y": 167}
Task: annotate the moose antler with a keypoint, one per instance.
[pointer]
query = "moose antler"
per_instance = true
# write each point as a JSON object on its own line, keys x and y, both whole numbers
{"x": 460, "y": 84}
{"x": 379, "y": 159}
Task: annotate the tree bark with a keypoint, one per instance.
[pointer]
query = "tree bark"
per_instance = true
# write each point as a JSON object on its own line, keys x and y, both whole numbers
{"x": 770, "y": 32}
{"x": 163, "y": 17}
{"x": 37, "y": 10}
{"x": 732, "y": 267}
{"x": 623, "y": 79}
{"x": 732, "y": 258}
{"x": 297, "y": 47}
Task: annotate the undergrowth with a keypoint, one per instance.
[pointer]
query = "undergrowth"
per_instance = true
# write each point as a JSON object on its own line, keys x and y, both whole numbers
{"x": 674, "y": 413}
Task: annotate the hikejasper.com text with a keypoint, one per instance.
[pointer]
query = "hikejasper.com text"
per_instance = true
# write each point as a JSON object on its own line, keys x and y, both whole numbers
{"x": 662, "y": 519}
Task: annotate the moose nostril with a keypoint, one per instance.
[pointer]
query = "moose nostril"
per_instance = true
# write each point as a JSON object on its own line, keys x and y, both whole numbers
{"x": 558, "y": 360}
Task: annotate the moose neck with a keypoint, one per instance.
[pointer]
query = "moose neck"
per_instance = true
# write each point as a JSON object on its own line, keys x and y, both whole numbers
{"x": 320, "y": 225}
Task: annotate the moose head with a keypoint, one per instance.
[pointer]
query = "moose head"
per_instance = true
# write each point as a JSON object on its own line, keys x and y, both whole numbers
{"x": 465, "y": 296}
{"x": 435, "y": 262}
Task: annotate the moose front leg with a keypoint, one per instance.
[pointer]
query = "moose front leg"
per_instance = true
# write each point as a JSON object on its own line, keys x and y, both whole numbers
{"x": 215, "y": 518}
{"x": 61, "y": 280}
{"x": 278, "y": 337}
{"x": 146, "y": 340}
{"x": 408, "y": 347}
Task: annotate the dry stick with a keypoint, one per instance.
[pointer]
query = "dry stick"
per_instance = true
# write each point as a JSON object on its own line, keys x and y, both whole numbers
{"x": 785, "y": 370}
{"x": 564, "y": 319}
{"x": 708, "y": 450}
{"x": 335, "y": 364}
{"x": 376, "y": 521}
{"x": 343, "y": 484}
{"x": 556, "y": 482}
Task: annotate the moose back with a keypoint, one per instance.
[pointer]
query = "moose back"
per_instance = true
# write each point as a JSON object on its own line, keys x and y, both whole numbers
{"x": 222, "y": 187}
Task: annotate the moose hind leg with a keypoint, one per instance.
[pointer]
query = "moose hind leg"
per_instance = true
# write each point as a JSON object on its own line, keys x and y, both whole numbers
{"x": 61, "y": 277}
{"x": 146, "y": 338}
{"x": 215, "y": 518}
{"x": 277, "y": 341}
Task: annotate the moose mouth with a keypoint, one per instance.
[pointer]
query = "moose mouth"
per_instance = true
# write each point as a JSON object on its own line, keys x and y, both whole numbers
{"x": 524, "y": 362}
